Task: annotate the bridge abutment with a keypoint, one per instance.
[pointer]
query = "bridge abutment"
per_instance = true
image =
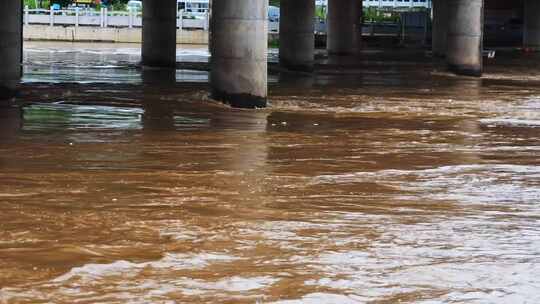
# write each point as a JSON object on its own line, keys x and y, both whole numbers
{"x": 465, "y": 36}
{"x": 238, "y": 46}
{"x": 10, "y": 47}
{"x": 344, "y": 27}
{"x": 159, "y": 33}
{"x": 296, "y": 35}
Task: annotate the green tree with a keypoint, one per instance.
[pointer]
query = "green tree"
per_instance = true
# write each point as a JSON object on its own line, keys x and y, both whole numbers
{"x": 33, "y": 4}
{"x": 62, "y": 3}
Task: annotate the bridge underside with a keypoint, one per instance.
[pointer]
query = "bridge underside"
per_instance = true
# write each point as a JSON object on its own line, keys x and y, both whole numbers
{"x": 238, "y": 39}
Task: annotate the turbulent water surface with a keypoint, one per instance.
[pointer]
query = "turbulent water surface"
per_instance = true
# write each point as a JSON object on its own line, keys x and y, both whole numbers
{"x": 381, "y": 179}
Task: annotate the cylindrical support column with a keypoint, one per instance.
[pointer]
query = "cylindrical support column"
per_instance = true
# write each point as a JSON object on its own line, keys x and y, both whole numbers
{"x": 531, "y": 29}
{"x": 296, "y": 34}
{"x": 465, "y": 35}
{"x": 10, "y": 46}
{"x": 344, "y": 27}
{"x": 439, "y": 29}
{"x": 159, "y": 33}
{"x": 238, "y": 44}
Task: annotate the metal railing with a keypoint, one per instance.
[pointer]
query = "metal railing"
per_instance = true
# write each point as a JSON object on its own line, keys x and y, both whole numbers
{"x": 120, "y": 19}
{"x": 383, "y": 4}
{"x": 105, "y": 18}
{"x": 398, "y": 4}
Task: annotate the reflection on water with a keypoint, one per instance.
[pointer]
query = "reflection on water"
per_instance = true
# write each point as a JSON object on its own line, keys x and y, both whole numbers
{"x": 385, "y": 185}
{"x": 104, "y": 63}
{"x": 45, "y": 117}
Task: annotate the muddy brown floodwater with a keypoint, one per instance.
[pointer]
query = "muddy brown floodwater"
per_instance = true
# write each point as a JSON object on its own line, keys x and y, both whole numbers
{"x": 393, "y": 182}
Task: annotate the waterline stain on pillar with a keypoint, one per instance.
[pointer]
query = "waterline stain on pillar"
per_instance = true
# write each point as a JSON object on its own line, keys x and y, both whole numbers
{"x": 10, "y": 47}
{"x": 465, "y": 35}
{"x": 296, "y": 35}
{"x": 238, "y": 44}
{"x": 159, "y": 33}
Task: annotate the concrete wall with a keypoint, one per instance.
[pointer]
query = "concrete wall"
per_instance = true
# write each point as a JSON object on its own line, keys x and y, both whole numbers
{"x": 96, "y": 34}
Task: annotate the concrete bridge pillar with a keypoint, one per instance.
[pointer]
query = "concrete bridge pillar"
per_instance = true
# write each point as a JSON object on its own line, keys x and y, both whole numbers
{"x": 159, "y": 33}
{"x": 465, "y": 35}
{"x": 238, "y": 45}
{"x": 440, "y": 27}
{"x": 10, "y": 47}
{"x": 531, "y": 34}
{"x": 344, "y": 30}
{"x": 296, "y": 34}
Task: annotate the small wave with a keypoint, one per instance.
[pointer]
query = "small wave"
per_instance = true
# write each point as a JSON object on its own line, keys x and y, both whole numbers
{"x": 328, "y": 298}
{"x": 145, "y": 282}
{"x": 232, "y": 284}
{"x": 464, "y": 183}
{"x": 50, "y": 50}
{"x": 511, "y": 122}
{"x": 91, "y": 272}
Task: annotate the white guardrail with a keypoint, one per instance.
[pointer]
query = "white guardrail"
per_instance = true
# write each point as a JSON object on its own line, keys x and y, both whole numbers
{"x": 104, "y": 18}
{"x": 397, "y": 4}
{"x": 383, "y": 4}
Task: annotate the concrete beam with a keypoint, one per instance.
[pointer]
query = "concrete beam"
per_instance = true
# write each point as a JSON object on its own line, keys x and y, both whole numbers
{"x": 11, "y": 44}
{"x": 159, "y": 33}
{"x": 440, "y": 28}
{"x": 531, "y": 29}
{"x": 44, "y": 32}
{"x": 296, "y": 35}
{"x": 465, "y": 36}
{"x": 344, "y": 21}
{"x": 238, "y": 44}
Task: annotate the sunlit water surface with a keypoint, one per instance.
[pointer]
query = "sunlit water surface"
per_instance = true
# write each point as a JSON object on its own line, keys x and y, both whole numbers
{"x": 393, "y": 183}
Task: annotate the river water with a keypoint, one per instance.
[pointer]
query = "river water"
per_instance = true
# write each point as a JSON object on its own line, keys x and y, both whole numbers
{"x": 377, "y": 180}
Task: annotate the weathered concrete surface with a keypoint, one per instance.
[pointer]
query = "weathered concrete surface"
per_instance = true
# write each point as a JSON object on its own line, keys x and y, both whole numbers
{"x": 440, "y": 28}
{"x": 297, "y": 37}
{"x": 10, "y": 47}
{"x": 159, "y": 33}
{"x": 97, "y": 34}
{"x": 238, "y": 44}
{"x": 531, "y": 30}
{"x": 465, "y": 35}
{"x": 344, "y": 27}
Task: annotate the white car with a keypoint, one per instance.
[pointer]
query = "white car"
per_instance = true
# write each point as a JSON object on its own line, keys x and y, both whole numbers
{"x": 273, "y": 13}
{"x": 134, "y": 5}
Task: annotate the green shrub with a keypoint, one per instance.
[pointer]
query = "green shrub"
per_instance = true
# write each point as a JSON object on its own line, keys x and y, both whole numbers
{"x": 119, "y": 6}
{"x": 33, "y": 4}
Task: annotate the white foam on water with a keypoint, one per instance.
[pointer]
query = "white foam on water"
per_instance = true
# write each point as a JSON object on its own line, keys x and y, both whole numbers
{"x": 510, "y": 122}
{"x": 324, "y": 298}
{"x": 465, "y": 183}
{"x": 231, "y": 284}
{"x": 512, "y": 148}
{"x": 524, "y": 113}
{"x": 531, "y": 103}
{"x": 468, "y": 257}
{"x": 193, "y": 52}
{"x": 170, "y": 262}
